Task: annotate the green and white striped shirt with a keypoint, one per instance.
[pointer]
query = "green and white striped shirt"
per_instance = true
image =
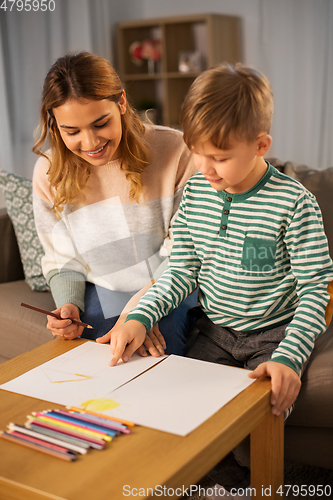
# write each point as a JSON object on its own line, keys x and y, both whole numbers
{"x": 260, "y": 259}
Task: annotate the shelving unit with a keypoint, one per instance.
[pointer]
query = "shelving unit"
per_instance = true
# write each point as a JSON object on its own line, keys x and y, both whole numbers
{"x": 216, "y": 38}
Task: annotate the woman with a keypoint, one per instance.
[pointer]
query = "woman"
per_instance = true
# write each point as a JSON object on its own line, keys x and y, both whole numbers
{"x": 105, "y": 194}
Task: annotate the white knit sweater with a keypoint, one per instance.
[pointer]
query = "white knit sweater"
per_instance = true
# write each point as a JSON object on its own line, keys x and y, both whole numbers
{"x": 111, "y": 240}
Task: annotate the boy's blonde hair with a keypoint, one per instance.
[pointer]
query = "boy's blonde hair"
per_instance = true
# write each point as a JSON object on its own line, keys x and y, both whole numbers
{"x": 85, "y": 76}
{"x": 226, "y": 101}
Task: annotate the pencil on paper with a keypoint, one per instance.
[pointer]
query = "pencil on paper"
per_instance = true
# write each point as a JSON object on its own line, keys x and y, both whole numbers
{"x": 76, "y": 322}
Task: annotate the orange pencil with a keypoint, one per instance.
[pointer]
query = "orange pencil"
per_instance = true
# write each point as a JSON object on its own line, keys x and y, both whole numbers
{"x": 82, "y": 410}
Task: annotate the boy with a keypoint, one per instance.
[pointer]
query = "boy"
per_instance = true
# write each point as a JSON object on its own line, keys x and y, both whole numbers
{"x": 249, "y": 237}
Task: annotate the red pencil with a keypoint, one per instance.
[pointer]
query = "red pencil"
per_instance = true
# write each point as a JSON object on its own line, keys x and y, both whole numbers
{"x": 43, "y": 449}
{"x": 75, "y": 321}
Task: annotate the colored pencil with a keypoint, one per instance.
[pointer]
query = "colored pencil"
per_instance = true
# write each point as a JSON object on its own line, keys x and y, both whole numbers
{"x": 83, "y": 424}
{"x": 93, "y": 442}
{"x": 54, "y": 315}
{"x": 72, "y": 430}
{"x": 108, "y": 424}
{"x": 89, "y": 412}
{"x": 103, "y": 422}
{"x": 68, "y": 425}
{"x": 58, "y": 435}
{"x": 40, "y": 442}
{"x": 46, "y": 438}
{"x": 43, "y": 449}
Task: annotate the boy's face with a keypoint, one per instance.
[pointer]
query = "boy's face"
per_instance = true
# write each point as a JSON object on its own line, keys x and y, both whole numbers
{"x": 235, "y": 170}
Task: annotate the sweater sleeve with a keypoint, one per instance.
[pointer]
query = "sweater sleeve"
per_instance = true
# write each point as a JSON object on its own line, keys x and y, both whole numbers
{"x": 177, "y": 282}
{"x": 175, "y": 164}
{"x": 64, "y": 270}
{"x": 312, "y": 266}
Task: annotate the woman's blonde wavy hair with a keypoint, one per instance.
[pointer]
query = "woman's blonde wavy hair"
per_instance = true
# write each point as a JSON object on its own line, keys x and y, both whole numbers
{"x": 85, "y": 76}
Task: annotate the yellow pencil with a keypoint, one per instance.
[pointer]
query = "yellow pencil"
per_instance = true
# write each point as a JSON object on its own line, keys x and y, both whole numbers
{"x": 69, "y": 426}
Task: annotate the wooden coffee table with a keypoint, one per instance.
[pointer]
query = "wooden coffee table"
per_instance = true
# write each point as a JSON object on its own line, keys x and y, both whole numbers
{"x": 132, "y": 466}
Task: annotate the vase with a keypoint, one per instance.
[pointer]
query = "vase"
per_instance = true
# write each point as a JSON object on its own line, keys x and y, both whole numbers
{"x": 151, "y": 66}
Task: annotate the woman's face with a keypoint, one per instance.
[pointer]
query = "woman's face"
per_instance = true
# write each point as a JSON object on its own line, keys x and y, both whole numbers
{"x": 92, "y": 129}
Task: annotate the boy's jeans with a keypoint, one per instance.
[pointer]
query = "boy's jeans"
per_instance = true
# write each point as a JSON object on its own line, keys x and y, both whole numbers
{"x": 245, "y": 350}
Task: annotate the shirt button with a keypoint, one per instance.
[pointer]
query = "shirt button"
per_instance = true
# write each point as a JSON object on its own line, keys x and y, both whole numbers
{"x": 229, "y": 199}
{"x": 226, "y": 212}
{"x": 224, "y": 227}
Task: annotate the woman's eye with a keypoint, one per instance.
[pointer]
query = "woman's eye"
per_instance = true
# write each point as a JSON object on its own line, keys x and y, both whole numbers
{"x": 103, "y": 124}
{"x": 72, "y": 133}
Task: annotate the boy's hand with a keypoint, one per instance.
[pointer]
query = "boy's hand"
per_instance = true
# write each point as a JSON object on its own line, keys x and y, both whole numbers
{"x": 286, "y": 384}
{"x": 64, "y": 328}
{"x": 154, "y": 341}
{"x": 126, "y": 339}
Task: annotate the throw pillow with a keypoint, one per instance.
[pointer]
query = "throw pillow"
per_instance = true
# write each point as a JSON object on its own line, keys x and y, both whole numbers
{"x": 18, "y": 199}
{"x": 320, "y": 183}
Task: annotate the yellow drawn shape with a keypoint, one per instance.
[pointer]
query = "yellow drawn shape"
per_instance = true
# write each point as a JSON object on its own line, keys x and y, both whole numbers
{"x": 84, "y": 377}
{"x": 100, "y": 404}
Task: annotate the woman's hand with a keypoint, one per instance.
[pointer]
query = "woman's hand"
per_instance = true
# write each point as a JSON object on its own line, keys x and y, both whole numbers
{"x": 64, "y": 328}
{"x": 154, "y": 343}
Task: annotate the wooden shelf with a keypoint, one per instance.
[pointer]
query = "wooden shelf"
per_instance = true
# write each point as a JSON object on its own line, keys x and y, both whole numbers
{"x": 216, "y": 38}
{"x": 161, "y": 76}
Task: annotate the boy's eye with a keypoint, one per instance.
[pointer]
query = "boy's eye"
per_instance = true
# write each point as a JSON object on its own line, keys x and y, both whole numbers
{"x": 220, "y": 160}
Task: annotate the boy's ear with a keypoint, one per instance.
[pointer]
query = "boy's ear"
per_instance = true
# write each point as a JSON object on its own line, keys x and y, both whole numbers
{"x": 264, "y": 142}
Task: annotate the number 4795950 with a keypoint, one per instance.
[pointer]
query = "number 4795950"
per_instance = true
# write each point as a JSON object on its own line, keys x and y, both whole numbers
{"x": 309, "y": 490}
{"x": 27, "y": 5}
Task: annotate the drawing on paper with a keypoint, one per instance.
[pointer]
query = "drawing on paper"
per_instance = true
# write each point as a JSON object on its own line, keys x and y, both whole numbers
{"x": 100, "y": 404}
{"x": 58, "y": 377}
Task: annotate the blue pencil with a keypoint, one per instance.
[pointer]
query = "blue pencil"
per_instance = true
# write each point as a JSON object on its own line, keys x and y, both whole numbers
{"x": 117, "y": 426}
{"x": 88, "y": 425}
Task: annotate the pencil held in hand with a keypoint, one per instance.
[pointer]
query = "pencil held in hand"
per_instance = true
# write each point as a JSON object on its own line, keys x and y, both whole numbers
{"x": 76, "y": 322}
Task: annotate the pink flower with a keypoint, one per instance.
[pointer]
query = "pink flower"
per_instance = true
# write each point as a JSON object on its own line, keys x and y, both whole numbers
{"x": 151, "y": 49}
{"x": 136, "y": 53}
{"x": 147, "y": 49}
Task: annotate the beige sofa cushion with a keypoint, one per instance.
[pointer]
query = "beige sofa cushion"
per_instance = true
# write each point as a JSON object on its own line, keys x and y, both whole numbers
{"x": 21, "y": 328}
{"x": 320, "y": 183}
{"x": 314, "y": 405}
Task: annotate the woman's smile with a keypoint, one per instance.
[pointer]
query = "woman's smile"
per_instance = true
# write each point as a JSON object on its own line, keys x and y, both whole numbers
{"x": 97, "y": 153}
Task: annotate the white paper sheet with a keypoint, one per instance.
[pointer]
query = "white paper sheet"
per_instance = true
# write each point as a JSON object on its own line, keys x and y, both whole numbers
{"x": 176, "y": 395}
{"x": 179, "y": 394}
{"x": 80, "y": 375}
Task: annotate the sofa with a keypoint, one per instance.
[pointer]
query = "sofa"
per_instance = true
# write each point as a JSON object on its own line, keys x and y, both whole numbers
{"x": 21, "y": 329}
{"x": 309, "y": 429}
